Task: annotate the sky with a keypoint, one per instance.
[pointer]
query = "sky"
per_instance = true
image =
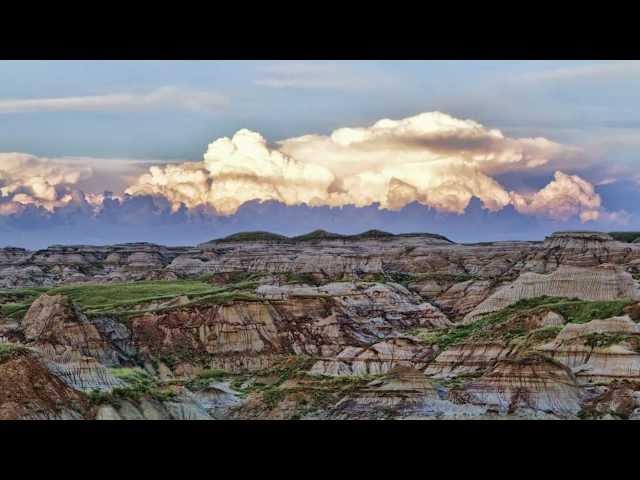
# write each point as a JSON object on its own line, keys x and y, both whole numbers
{"x": 179, "y": 152}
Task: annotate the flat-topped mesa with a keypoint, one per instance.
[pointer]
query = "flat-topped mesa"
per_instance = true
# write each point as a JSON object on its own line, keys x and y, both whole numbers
{"x": 626, "y": 236}
{"x": 577, "y": 236}
{"x": 583, "y": 249}
{"x": 75, "y": 263}
{"x": 258, "y": 236}
{"x": 97, "y": 257}
{"x": 13, "y": 255}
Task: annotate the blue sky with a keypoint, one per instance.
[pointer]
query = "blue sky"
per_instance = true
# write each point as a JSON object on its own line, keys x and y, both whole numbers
{"x": 122, "y": 116}
{"x": 564, "y": 100}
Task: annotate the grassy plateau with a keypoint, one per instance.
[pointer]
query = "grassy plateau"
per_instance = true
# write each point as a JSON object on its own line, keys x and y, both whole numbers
{"x": 126, "y": 299}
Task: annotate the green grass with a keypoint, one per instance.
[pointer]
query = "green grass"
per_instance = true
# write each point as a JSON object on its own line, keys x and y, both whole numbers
{"x": 302, "y": 278}
{"x": 321, "y": 235}
{"x": 312, "y": 393}
{"x": 204, "y": 378}
{"x": 253, "y": 236}
{"x": 625, "y": 236}
{"x": 320, "y": 393}
{"x": 15, "y": 302}
{"x": 139, "y": 385}
{"x": 14, "y": 310}
{"x": 543, "y": 335}
{"x": 229, "y": 277}
{"x": 21, "y": 293}
{"x": 603, "y": 339}
{"x": 371, "y": 234}
{"x": 98, "y": 295}
{"x": 182, "y": 354}
{"x": 289, "y": 367}
{"x": 9, "y": 351}
{"x": 425, "y": 235}
{"x": 503, "y": 325}
{"x": 580, "y": 311}
{"x": 119, "y": 299}
{"x": 318, "y": 235}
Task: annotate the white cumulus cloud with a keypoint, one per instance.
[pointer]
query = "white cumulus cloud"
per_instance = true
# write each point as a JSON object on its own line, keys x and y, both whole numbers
{"x": 564, "y": 197}
{"x": 27, "y": 179}
{"x": 234, "y": 171}
{"x": 431, "y": 158}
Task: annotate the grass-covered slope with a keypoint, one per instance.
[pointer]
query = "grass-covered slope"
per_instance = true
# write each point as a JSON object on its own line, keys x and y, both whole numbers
{"x": 15, "y": 302}
{"x": 627, "y": 237}
{"x": 125, "y": 299}
{"x": 503, "y": 325}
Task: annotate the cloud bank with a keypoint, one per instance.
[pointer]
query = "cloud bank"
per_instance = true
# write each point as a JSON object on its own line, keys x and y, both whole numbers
{"x": 28, "y": 180}
{"x": 434, "y": 159}
{"x": 430, "y": 172}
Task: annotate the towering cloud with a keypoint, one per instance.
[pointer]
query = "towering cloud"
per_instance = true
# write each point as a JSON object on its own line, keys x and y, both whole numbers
{"x": 432, "y": 158}
{"x": 235, "y": 171}
{"x": 29, "y": 180}
{"x": 565, "y": 197}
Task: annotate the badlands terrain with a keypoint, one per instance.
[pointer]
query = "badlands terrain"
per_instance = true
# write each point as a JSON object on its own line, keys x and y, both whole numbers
{"x": 323, "y": 326}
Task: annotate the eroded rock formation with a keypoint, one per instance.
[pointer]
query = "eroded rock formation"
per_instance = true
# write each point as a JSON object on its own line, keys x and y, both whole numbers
{"x": 323, "y": 326}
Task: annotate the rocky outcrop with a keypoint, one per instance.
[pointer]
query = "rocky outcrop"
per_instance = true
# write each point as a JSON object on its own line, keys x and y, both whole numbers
{"x": 73, "y": 346}
{"x": 468, "y": 358}
{"x": 55, "y": 326}
{"x": 605, "y": 282}
{"x": 183, "y": 407}
{"x": 77, "y": 263}
{"x": 376, "y": 359}
{"x": 461, "y": 298}
{"x": 600, "y": 351}
{"x": 581, "y": 249}
{"x": 532, "y": 382}
{"x": 290, "y": 320}
{"x": 331, "y": 257}
{"x": 404, "y": 393}
{"x": 29, "y": 391}
{"x": 326, "y": 327}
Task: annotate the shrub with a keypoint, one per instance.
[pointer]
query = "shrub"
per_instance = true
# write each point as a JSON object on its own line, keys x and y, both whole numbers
{"x": 9, "y": 351}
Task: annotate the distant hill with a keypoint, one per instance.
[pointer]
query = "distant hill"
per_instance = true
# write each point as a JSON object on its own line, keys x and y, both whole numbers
{"x": 318, "y": 235}
{"x": 427, "y": 235}
{"x": 253, "y": 237}
{"x": 626, "y": 236}
{"x": 370, "y": 234}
